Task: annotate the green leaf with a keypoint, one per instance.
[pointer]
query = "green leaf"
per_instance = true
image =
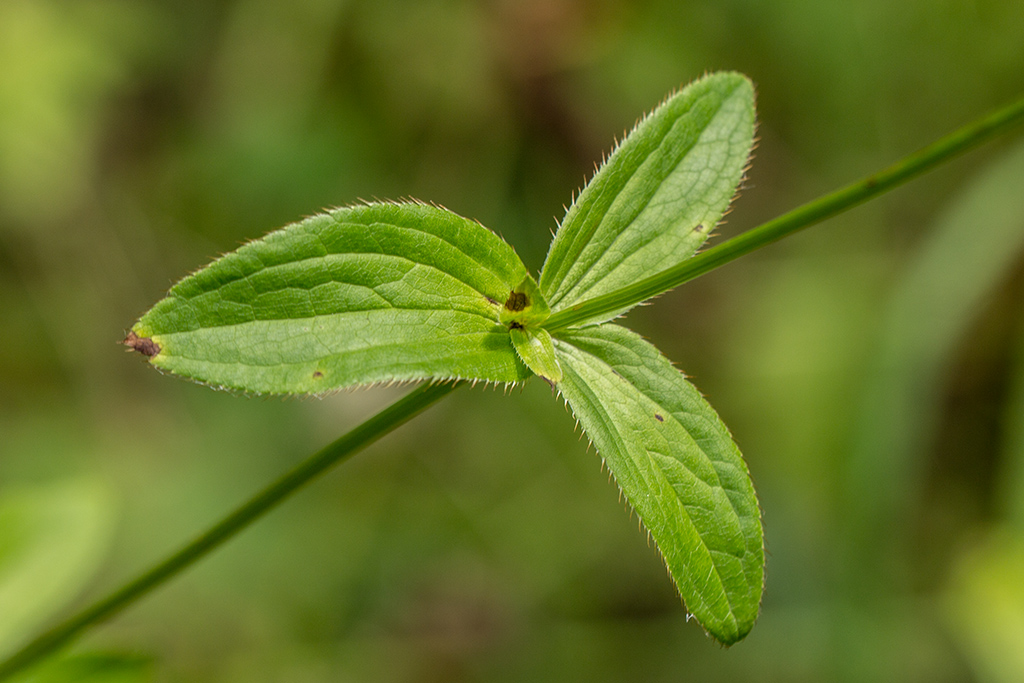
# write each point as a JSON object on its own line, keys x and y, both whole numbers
{"x": 658, "y": 196}
{"x": 523, "y": 313}
{"x": 376, "y": 293}
{"x": 678, "y": 467}
{"x": 535, "y": 347}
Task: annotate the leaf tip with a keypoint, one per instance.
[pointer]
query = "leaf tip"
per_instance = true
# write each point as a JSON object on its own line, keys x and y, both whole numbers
{"x": 144, "y": 345}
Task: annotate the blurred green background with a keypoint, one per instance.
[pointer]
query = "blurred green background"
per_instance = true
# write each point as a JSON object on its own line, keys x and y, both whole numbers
{"x": 871, "y": 369}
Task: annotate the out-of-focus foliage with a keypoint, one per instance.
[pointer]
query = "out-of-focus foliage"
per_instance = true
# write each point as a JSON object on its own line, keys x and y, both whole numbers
{"x": 480, "y": 542}
{"x": 90, "y": 668}
{"x": 986, "y": 606}
{"x": 51, "y": 541}
{"x": 985, "y": 598}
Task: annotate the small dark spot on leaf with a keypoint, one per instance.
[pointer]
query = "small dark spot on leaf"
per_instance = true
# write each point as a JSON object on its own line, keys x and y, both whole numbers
{"x": 699, "y": 228}
{"x": 317, "y": 373}
{"x": 658, "y": 417}
{"x": 516, "y": 301}
{"x": 144, "y": 345}
{"x": 489, "y": 299}
{"x": 515, "y": 326}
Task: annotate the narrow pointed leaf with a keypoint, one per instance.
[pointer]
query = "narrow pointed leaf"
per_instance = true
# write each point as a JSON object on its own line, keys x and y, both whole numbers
{"x": 658, "y": 196}
{"x": 375, "y": 293}
{"x": 678, "y": 467}
{"x": 536, "y": 349}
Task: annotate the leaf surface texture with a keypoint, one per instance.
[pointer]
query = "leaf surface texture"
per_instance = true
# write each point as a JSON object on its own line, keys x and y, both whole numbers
{"x": 654, "y": 201}
{"x": 376, "y": 293}
{"x": 678, "y": 467}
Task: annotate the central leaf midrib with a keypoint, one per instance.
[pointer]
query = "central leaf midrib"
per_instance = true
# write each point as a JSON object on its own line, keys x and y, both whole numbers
{"x": 363, "y": 312}
{"x": 178, "y": 355}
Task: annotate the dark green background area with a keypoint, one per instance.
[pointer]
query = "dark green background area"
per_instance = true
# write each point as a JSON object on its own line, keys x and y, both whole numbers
{"x": 871, "y": 369}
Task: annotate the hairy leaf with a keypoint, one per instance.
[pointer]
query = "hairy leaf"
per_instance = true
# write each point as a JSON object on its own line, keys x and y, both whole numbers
{"x": 677, "y": 466}
{"x": 658, "y": 196}
{"x": 536, "y": 349}
{"x": 375, "y": 293}
{"x": 393, "y": 292}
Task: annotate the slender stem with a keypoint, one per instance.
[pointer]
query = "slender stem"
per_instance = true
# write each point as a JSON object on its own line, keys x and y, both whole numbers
{"x": 802, "y": 217}
{"x": 362, "y": 436}
{"x": 422, "y": 397}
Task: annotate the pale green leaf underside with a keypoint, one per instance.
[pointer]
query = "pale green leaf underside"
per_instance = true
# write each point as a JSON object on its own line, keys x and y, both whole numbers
{"x": 537, "y": 350}
{"x": 678, "y": 467}
{"x": 375, "y": 293}
{"x": 654, "y": 201}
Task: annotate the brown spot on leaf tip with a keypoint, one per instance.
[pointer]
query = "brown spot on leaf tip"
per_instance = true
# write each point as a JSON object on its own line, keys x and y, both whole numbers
{"x": 516, "y": 301}
{"x": 144, "y": 345}
{"x": 317, "y": 374}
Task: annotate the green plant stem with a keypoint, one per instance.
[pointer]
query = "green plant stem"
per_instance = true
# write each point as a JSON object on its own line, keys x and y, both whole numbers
{"x": 423, "y": 397}
{"x": 802, "y": 217}
{"x": 362, "y": 436}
